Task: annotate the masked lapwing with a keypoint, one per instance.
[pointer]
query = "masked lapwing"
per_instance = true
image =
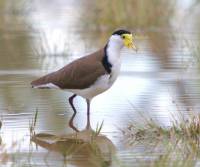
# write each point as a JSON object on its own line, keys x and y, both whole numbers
{"x": 90, "y": 75}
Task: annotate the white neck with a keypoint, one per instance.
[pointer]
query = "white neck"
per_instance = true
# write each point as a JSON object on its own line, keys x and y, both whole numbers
{"x": 114, "y": 52}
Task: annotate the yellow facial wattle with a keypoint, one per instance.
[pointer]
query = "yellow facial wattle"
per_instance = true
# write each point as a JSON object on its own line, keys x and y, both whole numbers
{"x": 128, "y": 41}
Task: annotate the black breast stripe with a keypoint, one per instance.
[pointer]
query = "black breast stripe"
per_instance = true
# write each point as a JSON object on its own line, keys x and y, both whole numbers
{"x": 105, "y": 61}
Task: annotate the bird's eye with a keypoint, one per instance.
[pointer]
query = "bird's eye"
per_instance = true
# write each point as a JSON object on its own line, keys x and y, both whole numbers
{"x": 123, "y": 36}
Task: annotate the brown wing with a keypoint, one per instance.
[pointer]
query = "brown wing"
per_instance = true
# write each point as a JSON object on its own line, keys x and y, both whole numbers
{"x": 79, "y": 74}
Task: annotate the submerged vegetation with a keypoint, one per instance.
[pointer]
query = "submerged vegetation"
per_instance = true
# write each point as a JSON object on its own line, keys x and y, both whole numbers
{"x": 177, "y": 145}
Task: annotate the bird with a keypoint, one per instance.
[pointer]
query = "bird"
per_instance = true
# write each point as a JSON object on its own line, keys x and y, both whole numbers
{"x": 92, "y": 74}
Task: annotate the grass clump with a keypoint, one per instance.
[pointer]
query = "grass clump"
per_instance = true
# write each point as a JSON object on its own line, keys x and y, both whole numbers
{"x": 184, "y": 129}
{"x": 177, "y": 145}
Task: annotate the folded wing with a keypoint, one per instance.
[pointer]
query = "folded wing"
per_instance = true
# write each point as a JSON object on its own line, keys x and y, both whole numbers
{"x": 79, "y": 74}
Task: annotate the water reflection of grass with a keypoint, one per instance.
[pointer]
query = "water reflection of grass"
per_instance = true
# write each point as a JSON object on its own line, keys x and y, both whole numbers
{"x": 174, "y": 157}
{"x": 179, "y": 144}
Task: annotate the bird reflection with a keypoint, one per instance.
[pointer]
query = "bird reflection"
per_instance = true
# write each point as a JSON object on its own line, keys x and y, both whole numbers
{"x": 71, "y": 123}
{"x": 83, "y": 148}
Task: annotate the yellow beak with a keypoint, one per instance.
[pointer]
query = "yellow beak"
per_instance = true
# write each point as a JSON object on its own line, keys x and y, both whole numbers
{"x": 128, "y": 41}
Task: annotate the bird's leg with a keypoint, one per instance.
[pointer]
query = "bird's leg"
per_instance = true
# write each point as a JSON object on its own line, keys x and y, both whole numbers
{"x": 74, "y": 114}
{"x": 88, "y": 114}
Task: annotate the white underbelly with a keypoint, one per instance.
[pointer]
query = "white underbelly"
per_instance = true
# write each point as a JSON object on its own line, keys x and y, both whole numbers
{"x": 102, "y": 84}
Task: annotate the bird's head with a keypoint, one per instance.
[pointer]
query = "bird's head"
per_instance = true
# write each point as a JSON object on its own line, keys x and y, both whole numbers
{"x": 122, "y": 38}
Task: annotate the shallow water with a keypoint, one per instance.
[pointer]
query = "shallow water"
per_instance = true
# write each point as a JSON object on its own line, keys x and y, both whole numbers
{"x": 40, "y": 37}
